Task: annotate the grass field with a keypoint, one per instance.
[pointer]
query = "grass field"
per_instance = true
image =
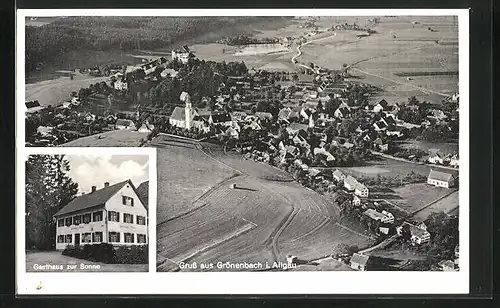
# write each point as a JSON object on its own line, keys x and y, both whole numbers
{"x": 115, "y": 138}
{"x": 56, "y": 258}
{"x": 443, "y": 148}
{"x": 414, "y": 196}
{"x": 324, "y": 265}
{"x": 448, "y": 204}
{"x": 57, "y": 91}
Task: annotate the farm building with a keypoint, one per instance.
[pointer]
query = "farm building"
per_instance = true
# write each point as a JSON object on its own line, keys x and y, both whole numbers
{"x": 350, "y": 182}
{"x": 125, "y": 124}
{"x": 381, "y": 106}
{"x": 361, "y": 190}
{"x": 113, "y": 214}
{"x": 182, "y": 55}
{"x": 33, "y": 107}
{"x": 121, "y": 84}
{"x": 342, "y": 112}
{"x": 448, "y": 266}
{"x": 440, "y": 179}
{"x": 359, "y": 261}
{"x": 338, "y": 175}
{"x": 418, "y": 233}
{"x": 356, "y": 201}
{"x": 384, "y": 217}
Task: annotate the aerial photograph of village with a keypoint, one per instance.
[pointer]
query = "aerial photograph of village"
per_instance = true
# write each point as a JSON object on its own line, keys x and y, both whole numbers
{"x": 295, "y": 143}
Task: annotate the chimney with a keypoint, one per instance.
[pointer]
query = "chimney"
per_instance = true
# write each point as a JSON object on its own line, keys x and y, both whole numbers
{"x": 94, "y": 188}
{"x": 106, "y": 184}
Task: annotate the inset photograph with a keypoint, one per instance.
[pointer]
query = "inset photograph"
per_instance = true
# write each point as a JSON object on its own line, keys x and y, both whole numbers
{"x": 87, "y": 213}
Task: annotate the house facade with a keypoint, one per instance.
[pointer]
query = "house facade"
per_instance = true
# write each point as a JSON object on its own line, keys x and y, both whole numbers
{"x": 440, "y": 179}
{"x": 418, "y": 234}
{"x": 359, "y": 262}
{"x": 113, "y": 214}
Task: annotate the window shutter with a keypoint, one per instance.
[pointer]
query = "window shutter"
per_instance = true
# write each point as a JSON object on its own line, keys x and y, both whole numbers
{"x": 118, "y": 237}
{"x": 132, "y": 201}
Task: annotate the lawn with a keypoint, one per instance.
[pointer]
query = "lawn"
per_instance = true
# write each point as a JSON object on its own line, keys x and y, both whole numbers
{"x": 415, "y": 196}
{"x": 447, "y": 204}
{"x": 56, "y": 258}
{"x": 115, "y": 138}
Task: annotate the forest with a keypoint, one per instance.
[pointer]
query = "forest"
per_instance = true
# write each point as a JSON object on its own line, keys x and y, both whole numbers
{"x": 118, "y": 33}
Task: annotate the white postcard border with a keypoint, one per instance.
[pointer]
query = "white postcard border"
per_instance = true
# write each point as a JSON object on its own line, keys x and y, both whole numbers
{"x": 245, "y": 282}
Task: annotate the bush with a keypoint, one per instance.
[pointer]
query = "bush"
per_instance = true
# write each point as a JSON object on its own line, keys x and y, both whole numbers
{"x": 107, "y": 253}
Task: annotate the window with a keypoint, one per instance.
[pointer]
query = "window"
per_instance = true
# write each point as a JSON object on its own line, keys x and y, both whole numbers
{"x": 77, "y": 220}
{"x": 97, "y": 237}
{"x": 60, "y": 223}
{"x": 87, "y": 218}
{"x": 68, "y": 238}
{"x": 128, "y": 218}
{"x": 97, "y": 216}
{"x": 86, "y": 237}
{"x": 141, "y": 220}
{"x": 68, "y": 221}
{"x": 114, "y": 237}
{"x": 141, "y": 238}
{"x": 60, "y": 238}
{"x": 127, "y": 201}
{"x": 114, "y": 216}
{"x": 129, "y": 237}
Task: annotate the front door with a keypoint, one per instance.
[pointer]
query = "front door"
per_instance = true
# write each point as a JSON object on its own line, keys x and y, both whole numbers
{"x": 77, "y": 239}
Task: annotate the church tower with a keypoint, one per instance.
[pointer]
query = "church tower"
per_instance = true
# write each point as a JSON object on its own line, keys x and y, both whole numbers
{"x": 188, "y": 110}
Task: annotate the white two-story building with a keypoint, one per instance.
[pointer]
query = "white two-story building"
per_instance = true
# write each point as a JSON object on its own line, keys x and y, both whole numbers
{"x": 114, "y": 214}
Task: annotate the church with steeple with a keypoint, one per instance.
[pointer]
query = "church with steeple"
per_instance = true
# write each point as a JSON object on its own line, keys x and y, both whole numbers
{"x": 189, "y": 117}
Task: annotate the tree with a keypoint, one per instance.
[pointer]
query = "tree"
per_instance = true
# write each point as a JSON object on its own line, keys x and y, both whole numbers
{"x": 48, "y": 189}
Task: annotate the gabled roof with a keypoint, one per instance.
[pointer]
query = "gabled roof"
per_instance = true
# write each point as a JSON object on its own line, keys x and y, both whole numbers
{"x": 221, "y": 117}
{"x": 359, "y": 259}
{"x": 296, "y": 127}
{"x": 440, "y": 176}
{"x": 124, "y": 122}
{"x": 337, "y": 173}
{"x": 143, "y": 193}
{"x": 92, "y": 199}
{"x": 264, "y": 115}
{"x": 32, "y": 104}
{"x": 350, "y": 180}
{"x": 178, "y": 114}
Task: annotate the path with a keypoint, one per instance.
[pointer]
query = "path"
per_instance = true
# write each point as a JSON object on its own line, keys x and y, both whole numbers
{"x": 282, "y": 228}
{"x": 299, "y": 52}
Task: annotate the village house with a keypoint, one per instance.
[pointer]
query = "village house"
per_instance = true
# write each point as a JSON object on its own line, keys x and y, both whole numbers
{"x": 380, "y": 125}
{"x": 182, "y": 55}
{"x": 338, "y": 175}
{"x": 33, "y": 107}
{"x": 125, "y": 124}
{"x": 436, "y": 159}
{"x": 264, "y": 116}
{"x": 361, "y": 190}
{"x": 381, "y": 106}
{"x": 121, "y": 84}
{"x": 440, "y": 179}
{"x": 448, "y": 266}
{"x": 454, "y": 161}
{"x": 114, "y": 214}
{"x": 384, "y": 217}
{"x": 381, "y": 146}
{"x": 350, "y": 183}
{"x": 342, "y": 112}
{"x": 359, "y": 262}
{"x": 419, "y": 234}
{"x": 356, "y": 200}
